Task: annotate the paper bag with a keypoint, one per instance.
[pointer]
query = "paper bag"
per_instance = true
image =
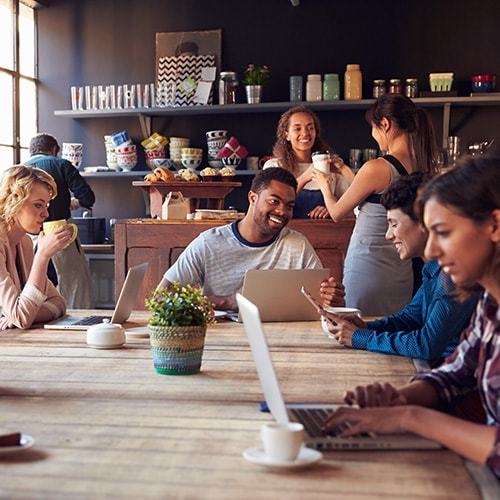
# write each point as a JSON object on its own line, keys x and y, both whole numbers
{"x": 173, "y": 207}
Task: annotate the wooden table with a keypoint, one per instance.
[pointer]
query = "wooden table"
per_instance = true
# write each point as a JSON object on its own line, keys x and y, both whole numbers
{"x": 107, "y": 426}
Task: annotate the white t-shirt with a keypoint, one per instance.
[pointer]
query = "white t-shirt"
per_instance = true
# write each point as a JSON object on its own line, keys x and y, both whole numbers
{"x": 218, "y": 258}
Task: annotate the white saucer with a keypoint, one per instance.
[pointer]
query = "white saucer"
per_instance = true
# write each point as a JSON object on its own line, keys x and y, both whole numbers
{"x": 26, "y": 442}
{"x": 307, "y": 457}
{"x": 139, "y": 332}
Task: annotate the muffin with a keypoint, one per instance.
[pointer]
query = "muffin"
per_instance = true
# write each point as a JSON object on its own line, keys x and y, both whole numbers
{"x": 226, "y": 172}
{"x": 209, "y": 175}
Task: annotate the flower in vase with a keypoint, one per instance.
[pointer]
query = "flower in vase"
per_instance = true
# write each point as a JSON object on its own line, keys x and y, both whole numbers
{"x": 256, "y": 75}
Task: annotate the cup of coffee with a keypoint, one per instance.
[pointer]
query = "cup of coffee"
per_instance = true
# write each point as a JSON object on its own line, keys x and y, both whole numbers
{"x": 52, "y": 225}
{"x": 320, "y": 161}
{"x": 341, "y": 311}
{"x": 282, "y": 442}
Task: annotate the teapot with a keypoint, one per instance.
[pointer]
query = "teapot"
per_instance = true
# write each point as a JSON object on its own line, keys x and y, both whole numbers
{"x": 105, "y": 335}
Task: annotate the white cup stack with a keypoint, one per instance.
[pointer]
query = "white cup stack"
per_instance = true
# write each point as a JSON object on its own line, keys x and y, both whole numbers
{"x": 176, "y": 145}
{"x": 73, "y": 152}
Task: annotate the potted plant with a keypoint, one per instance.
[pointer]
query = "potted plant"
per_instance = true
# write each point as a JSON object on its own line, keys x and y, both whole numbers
{"x": 177, "y": 325}
{"x": 255, "y": 78}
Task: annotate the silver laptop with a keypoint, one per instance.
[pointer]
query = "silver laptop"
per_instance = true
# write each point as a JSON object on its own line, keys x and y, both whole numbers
{"x": 310, "y": 415}
{"x": 123, "y": 309}
{"x": 276, "y": 292}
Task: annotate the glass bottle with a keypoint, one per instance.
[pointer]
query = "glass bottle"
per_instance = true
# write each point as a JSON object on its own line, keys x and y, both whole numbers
{"x": 378, "y": 88}
{"x": 352, "y": 83}
{"x": 331, "y": 87}
{"x": 394, "y": 86}
{"x": 411, "y": 87}
{"x": 227, "y": 87}
{"x": 314, "y": 89}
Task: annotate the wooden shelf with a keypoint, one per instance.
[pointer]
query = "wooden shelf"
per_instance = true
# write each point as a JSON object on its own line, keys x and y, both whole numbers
{"x": 145, "y": 115}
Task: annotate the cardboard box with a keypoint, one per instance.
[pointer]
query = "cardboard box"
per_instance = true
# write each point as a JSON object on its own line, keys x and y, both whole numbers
{"x": 174, "y": 207}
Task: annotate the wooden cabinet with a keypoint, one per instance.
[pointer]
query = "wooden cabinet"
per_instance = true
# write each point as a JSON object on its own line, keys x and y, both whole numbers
{"x": 159, "y": 242}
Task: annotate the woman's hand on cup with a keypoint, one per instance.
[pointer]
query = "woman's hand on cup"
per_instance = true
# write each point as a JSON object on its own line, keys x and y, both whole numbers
{"x": 54, "y": 241}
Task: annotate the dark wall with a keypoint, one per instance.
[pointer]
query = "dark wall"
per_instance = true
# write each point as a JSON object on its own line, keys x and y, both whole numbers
{"x": 103, "y": 42}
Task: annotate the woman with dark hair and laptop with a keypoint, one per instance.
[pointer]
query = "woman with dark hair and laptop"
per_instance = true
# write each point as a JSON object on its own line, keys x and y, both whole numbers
{"x": 430, "y": 325}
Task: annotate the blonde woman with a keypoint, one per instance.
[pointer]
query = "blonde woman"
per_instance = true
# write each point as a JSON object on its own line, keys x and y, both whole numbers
{"x": 27, "y": 296}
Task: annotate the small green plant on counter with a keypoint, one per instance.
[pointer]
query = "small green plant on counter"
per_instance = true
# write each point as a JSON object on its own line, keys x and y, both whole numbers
{"x": 179, "y": 306}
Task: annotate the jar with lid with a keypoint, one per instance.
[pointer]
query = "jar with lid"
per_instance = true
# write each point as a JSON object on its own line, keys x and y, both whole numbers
{"x": 314, "y": 88}
{"x": 227, "y": 87}
{"x": 394, "y": 86}
{"x": 411, "y": 87}
{"x": 378, "y": 88}
{"x": 352, "y": 82}
{"x": 331, "y": 87}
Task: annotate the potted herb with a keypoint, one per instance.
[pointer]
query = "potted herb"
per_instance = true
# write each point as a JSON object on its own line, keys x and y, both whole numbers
{"x": 255, "y": 78}
{"x": 177, "y": 326}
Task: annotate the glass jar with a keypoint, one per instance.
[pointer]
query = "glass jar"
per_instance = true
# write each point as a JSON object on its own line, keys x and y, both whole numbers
{"x": 314, "y": 89}
{"x": 331, "y": 87}
{"x": 227, "y": 87}
{"x": 352, "y": 82}
{"x": 395, "y": 86}
{"x": 411, "y": 87}
{"x": 378, "y": 88}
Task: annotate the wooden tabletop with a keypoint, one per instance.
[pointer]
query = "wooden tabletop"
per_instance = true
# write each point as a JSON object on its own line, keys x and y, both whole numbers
{"x": 106, "y": 425}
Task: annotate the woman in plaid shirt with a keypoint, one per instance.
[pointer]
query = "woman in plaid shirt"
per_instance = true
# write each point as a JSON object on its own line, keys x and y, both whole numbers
{"x": 461, "y": 210}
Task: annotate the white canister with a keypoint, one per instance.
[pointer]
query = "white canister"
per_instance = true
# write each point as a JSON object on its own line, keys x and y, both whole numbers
{"x": 314, "y": 88}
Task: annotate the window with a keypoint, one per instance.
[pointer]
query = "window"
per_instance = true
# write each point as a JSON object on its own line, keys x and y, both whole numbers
{"x": 18, "y": 85}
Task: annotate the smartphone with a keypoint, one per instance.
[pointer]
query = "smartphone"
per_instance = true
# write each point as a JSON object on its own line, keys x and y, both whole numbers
{"x": 315, "y": 303}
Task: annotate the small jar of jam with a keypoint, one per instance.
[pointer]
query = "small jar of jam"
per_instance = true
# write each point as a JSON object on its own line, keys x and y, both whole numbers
{"x": 394, "y": 86}
{"x": 378, "y": 88}
{"x": 411, "y": 87}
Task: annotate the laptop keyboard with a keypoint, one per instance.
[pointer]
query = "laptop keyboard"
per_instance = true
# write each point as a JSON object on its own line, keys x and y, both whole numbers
{"x": 313, "y": 419}
{"x": 91, "y": 320}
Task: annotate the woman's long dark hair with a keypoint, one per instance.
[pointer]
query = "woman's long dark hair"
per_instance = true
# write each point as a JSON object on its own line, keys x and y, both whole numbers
{"x": 282, "y": 148}
{"x": 472, "y": 190}
{"x": 412, "y": 120}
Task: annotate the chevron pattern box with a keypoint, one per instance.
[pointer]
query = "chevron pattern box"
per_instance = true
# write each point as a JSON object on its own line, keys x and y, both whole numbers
{"x": 181, "y": 75}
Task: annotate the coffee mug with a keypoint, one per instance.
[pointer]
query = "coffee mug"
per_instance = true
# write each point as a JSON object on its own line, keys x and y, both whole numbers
{"x": 341, "y": 311}
{"x": 282, "y": 442}
{"x": 320, "y": 161}
{"x": 52, "y": 225}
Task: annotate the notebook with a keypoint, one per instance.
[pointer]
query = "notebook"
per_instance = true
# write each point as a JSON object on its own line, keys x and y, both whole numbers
{"x": 310, "y": 415}
{"x": 276, "y": 292}
{"x": 123, "y": 309}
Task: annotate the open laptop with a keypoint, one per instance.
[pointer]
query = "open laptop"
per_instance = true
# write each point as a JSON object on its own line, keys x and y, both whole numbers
{"x": 311, "y": 415}
{"x": 276, "y": 292}
{"x": 123, "y": 309}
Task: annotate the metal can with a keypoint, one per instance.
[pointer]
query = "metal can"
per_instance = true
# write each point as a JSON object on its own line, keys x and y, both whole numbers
{"x": 411, "y": 87}
{"x": 378, "y": 88}
{"x": 394, "y": 86}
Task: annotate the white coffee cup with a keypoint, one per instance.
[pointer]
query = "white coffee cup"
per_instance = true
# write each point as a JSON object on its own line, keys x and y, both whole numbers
{"x": 282, "y": 442}
{"x": 341, "y": 311}
{"x": 320, "y": 161}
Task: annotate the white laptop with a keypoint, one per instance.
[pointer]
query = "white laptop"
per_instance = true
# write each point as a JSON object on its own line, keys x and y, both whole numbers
{"x": 276, "y": 292}
{"x": 310, "y": 415}
{"x": 123, "y": 309}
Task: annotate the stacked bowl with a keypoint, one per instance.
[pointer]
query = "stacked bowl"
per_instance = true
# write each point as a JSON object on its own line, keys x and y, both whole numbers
{"x": 154, "y": 148}
{"x": 176, "y": 145}
{"x": 215, "y": 141}
{"x": 126, "y": 150}
{"x": 111, "y": 159}
{"x": 191, "y": 157}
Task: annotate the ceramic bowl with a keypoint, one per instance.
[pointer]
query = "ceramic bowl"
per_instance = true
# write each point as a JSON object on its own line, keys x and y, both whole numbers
{"x": 216, "y": 134}
{"x": 215, "y": 163}
{"x": 105, "y": 335}
{"x": 191, "y": 163}
{"x": 179, "y": 142}
{"x": 192, "y": 151}
{"x": 483, "y": 83}
{"x": 231, "y": 162}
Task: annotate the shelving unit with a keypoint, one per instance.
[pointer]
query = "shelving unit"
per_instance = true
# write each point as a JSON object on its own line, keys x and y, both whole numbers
{"x": 145, "y": 115}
